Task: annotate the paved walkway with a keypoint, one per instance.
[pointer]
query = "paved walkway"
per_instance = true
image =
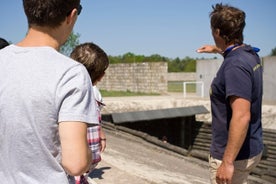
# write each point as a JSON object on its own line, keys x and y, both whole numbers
{"x": 129, "y": 159}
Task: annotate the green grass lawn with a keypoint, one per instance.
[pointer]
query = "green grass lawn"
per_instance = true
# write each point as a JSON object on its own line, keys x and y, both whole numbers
{"x": 124, "y": 93}
{"x": 172, "y": 87}
{"x": 178, "y": 87}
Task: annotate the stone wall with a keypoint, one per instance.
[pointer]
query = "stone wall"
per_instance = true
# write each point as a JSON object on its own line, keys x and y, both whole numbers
{"x": 136, "y": 77}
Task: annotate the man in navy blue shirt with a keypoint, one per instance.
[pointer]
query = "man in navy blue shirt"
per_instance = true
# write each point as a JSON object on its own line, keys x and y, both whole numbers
{"x": 236, "y": 100}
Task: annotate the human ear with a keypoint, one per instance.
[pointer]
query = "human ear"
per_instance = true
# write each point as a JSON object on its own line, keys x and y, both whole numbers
{"x": 216, "y": 32}
{"x": 72, "y": 16}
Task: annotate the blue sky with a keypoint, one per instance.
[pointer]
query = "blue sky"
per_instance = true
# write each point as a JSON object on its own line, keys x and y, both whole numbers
{"x": 170, "y": 28}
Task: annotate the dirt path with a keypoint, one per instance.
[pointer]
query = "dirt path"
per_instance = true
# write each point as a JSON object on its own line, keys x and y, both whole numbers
{"x": 129, "y": 159}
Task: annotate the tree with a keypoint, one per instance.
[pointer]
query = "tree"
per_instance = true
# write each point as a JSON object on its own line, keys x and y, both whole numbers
{"x": 190, "y": 65}
{"x": 70, "y": 44}
{"x": 156, "y": 58}
{"x": 182, "y": 65}
{"x": 273, "y": 52}
{"x": 128, "y": 58}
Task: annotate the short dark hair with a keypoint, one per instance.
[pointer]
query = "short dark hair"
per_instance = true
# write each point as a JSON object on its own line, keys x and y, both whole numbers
{"x": 230, "y": 21}
{"x": 3, "y": 43}
{"x": 93, "y": 58}
{"x": 48, "y": 13}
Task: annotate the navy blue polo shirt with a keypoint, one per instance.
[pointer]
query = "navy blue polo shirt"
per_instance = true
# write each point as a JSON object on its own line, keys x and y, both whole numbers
{"x": 239, "y": 75}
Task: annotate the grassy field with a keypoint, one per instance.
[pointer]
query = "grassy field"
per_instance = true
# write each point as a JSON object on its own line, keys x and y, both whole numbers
{"x": 124, "y": 93}
{"x": 172, "y": 87}
{"x": 178, "y": 87}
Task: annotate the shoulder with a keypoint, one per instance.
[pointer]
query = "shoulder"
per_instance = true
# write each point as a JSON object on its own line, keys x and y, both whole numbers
{"x": 242, "y": 57}
{"x": 62, "y": 64}
{"x": 97, "y": 94}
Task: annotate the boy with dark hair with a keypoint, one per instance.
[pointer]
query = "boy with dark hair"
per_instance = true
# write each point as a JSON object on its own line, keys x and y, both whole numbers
{"x": 46, "y": 100}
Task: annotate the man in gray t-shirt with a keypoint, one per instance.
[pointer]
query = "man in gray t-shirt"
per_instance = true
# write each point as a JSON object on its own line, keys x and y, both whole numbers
{"x": 46, "y": 101}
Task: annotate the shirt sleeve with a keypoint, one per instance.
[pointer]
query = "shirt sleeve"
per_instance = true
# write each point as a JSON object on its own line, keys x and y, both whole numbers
{"x": 75, "y": 98}
{"x": 238, "y": 82}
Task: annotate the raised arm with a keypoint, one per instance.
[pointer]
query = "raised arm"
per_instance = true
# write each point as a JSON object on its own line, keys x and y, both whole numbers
{"x": 209, "y": 49}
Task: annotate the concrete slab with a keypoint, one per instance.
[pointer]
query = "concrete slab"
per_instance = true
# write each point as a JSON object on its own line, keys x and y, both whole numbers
{"x": 148, "y": 115}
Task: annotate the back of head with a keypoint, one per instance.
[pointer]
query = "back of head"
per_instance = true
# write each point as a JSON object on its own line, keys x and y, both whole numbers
{"x": 93, "y": 58}
{"x": 230, "y": 21}
{"x": 50, "y": 13}
{"x": 3, "y": 43}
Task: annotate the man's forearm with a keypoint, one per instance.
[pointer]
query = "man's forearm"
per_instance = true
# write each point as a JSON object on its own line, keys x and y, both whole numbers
{"x": 237, "y": 133}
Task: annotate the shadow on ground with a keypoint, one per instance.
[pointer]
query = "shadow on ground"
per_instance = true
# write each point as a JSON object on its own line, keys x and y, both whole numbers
{"x": 98, "y": 172}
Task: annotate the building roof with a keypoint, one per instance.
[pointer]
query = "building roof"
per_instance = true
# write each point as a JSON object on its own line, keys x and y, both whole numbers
{"x": 136, "y": 116}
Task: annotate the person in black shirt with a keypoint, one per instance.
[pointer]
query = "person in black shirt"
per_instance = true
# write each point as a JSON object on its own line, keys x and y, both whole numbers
{"x": 236, "y": 100}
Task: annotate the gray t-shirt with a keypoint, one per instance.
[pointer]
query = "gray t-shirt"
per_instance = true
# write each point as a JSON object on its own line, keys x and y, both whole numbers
{"x": 39, "y": 88}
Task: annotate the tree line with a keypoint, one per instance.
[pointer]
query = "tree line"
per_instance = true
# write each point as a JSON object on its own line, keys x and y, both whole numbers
{"x": 174, "y": 65}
